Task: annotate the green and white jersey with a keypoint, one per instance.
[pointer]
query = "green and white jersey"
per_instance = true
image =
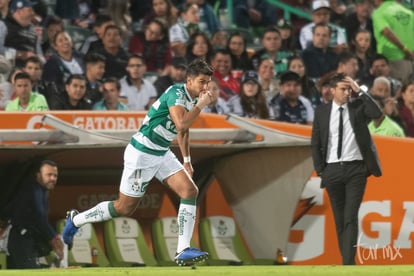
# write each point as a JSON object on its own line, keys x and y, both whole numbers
{"x": 158, "y": 129}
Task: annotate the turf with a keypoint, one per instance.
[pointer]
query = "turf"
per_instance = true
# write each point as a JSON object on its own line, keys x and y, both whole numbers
{"x": 225, "y": 270}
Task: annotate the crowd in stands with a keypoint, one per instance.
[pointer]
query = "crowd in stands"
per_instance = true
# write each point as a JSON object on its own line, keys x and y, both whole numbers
{"x": 123, "y": 54}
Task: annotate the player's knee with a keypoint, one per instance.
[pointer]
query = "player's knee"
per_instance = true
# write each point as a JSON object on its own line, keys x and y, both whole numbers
{"x": 125, "y": 208}
{"x": 192, "y": 192}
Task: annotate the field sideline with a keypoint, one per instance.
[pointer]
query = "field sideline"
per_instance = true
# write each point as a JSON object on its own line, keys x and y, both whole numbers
{"x": 225, "y": 270}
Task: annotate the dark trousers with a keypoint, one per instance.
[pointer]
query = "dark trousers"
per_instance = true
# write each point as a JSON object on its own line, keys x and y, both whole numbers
{"x": 345, "y": 184}
{"x": 22, "y": 249}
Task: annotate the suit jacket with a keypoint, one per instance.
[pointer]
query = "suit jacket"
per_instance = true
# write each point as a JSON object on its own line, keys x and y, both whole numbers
{"x": 361, "y": 111}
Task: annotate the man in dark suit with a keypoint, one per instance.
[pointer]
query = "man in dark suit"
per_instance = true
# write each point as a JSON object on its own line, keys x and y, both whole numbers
{"x": 344, "y": 155}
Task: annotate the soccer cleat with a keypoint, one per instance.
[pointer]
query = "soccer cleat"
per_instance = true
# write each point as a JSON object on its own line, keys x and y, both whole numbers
{"x": 190, "y": 256}
{"x": 70, "y": 229}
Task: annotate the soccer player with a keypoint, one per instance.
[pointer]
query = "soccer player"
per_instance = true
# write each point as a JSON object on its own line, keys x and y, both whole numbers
{"x": 148, "y": 155}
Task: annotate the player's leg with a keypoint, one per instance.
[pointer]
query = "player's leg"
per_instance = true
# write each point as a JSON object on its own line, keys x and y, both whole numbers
{"x": 182, "y": 184}
{"x": 133, "y": 186}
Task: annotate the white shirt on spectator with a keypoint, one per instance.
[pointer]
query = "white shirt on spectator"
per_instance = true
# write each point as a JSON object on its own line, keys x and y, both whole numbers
{"x": 137, "y": 99}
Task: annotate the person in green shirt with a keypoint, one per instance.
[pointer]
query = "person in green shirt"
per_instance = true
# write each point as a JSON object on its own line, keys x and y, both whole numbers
{"x": 393, "y": 30}
{"x": 384, "y": 125}
{"x": 26, "y": 100}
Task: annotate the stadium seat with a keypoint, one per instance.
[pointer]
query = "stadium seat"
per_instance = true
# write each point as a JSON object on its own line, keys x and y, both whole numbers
{"x": 85, "y": 244}
{"x": 221, "y": 238}
{"x": 125, "y": 243}
{"x": 165, "y": 239}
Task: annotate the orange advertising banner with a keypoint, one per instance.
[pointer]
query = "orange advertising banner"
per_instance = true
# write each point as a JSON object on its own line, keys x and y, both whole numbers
{"x": 386, "y": 215}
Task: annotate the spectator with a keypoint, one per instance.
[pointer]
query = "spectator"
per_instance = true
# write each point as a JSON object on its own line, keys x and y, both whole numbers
{"x": 94, "y": 71}
{"x": 325, "y": 88}
{"x": 272, "y": 43}
{"x": 287, "y": 107}
{"x": 63, "y": 63}
{"x": 176, "y": 74}
{"x": 111, "y": 89}
{"x": 136, "y": 92}
{"x": 18, "y": 32}
{"x": 319, "y": 58}
{"x": 380, "y": 67}
{"x": 406, "y": 108}
{"x": 153, "y": 44}
{"x": 208, "y": 20}
{"x": 308, "y": 86}
{"x": 250, "y": 102}
{"x": 199, "y": 46}
{"x": 162, "y": 10}
{"x": 4, "y": 9}
{"x": 219, "y": 39}
{"x": 268, "y": 82}
{"x": 26, "y": 100}
{"x": 338, "y": 12}
{"x": 247, "y": 14}
{"x": 289, "y": 42}
{"x": 32, "y": 236}
{"x": 73, "y": 97}
{"x": 186, "y": 24}
{"x": 8, "y": 86}
{"x": 53, "y": 26}
{"x": 219, "y": 106}
{"x": 384, "y": 125}
{"x": 360, "y": 19}
{"x": 321, "y": 14}
{"x": 94, "y": 42}
{"x": 361, "y": 47}
{"x": 116, "y": 57}
{"x": 236, "y": 45}
{"x": 87, "y": 14}
{"x": 118, "y": 10}
{"x": 221, "y": 63}
{"x": 382, "y": 88}
{"x": 5, "y": 86}
{"x": 34, "y": 67}
{"x": 393, "y": 28}
{"x": 348, "y": 64}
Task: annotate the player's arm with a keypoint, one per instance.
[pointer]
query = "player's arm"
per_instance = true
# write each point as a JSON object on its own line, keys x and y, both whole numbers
{"x": 183, "y": 139}
{"x": 183, "y": 119}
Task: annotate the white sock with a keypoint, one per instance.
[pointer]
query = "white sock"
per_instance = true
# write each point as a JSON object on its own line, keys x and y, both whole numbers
{"x": 186, "y": 222}
{"x": 100, "y": 212}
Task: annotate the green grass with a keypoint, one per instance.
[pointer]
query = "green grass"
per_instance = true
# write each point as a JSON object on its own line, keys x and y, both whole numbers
{"x": 225, "y": 270}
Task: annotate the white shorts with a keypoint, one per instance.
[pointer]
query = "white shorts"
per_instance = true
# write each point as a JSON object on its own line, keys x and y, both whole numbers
{"x": 141, "y": 167}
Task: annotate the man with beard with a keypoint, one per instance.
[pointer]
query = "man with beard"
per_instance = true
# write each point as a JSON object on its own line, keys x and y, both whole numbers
{"x": 31, "y": 235}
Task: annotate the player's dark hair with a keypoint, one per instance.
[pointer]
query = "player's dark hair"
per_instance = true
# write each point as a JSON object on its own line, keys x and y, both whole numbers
{"x": 199, "y": 67}
{"x": 339, "y": 77}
